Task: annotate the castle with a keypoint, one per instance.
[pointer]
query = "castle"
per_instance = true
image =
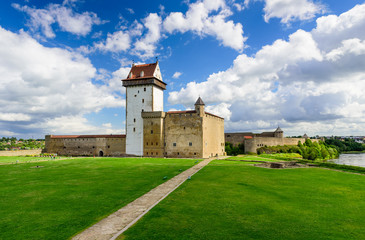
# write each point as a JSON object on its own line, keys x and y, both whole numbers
{"x": 253, "y": 141}
{"x": 149, "y": 130}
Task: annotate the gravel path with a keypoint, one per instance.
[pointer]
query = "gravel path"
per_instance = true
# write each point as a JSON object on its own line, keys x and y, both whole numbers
{"x": 115, "y": 224}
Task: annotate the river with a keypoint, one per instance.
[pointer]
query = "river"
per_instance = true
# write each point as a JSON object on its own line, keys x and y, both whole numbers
{"x": 351, "y": 159}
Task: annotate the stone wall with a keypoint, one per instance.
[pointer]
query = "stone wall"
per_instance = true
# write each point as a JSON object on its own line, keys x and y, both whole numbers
{"x": 153, "y": 134}
{"x": 21, "y": 152}
{"x": 86, "y": 145}
{"x": 183, "y": 135}
{"x": 251, "y": 145}
{"x": 213, "y": 136}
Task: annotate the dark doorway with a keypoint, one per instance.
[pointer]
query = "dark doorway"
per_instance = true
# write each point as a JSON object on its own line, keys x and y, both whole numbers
{"x": 101, "y": 153}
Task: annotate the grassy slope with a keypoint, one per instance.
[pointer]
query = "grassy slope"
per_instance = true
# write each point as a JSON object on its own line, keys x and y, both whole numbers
{"x": 239, "y": 201}
{"x": 64, "y": 197}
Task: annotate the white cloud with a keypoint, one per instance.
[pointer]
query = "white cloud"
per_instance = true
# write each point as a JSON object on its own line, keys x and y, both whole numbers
{"x": 145, "y": 47}
{"x": 47, "y": 84}
{"x": 117, "y": 42}
{"x": 208, "y": 18}
{"x": 176, "y": 75}
{"x": 300, "y": 84}
{"x": 64, "y": 15}
{"x": 291, "y": 10}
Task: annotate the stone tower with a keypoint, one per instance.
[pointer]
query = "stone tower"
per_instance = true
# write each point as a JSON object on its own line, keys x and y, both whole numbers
{"x": 279, "y": 133}
{"x": 144, "y": 92}
{"x": 199, "y": 107}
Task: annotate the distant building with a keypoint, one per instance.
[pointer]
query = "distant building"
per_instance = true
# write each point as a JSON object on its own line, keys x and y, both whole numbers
{"x": 149, "y": 130}
{"x": 253, "y": 141}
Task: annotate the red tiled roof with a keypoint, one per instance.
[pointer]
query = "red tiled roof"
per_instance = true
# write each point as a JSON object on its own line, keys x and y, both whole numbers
{"x": 247, "y": 137}
{"x": 88, "y": 136}
{"x": 136, "y": 70}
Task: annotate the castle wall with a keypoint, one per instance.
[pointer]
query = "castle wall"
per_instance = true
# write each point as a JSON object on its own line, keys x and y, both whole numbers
{"x": 85, "y": 146}
{"x": 213, "y": 136}
{"x": 153, "y": 132}
{"x": 251, "y": 145}
{"x": 236, "y": 138}
{"x": 21, "y": 152}
{"x": 183, "y": 135}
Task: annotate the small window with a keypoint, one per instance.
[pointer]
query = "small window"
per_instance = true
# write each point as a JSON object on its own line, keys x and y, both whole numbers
{"x": 93, "y": 146}
{"x": 178, "y": 153}
{"x": 228, "y": 135}
{"x": 194, "y": 153}
{"x": 134, "y": 129}
{"x": 78, "y": 147}
{"x": 151, "y": 143}
{"x": 156, "y": 153}
{"x": 108, "y": 146}
{"x": 144, "y": 89}
{"x": 157, "y": 144}
{"x": 190, "y": 144}
{"x": 142, "y": 100}
{"x": 151, "y": 131}
{"x": 151, "y": 123}
{"x": 174, "y": 144}
{"x": 146, "y": 153}
{"x": 184, "y": 128}
{"x": 138, "y": 91}
{"x": 134, "y": 120}
{"x": 135, "y": 95}
{"x": 147, "y": 143}
{"x": 142, "y": 110}
{"x": 164, "y": 144}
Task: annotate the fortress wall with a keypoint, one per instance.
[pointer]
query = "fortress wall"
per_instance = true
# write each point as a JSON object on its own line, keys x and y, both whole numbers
{"x": 87, "y": 146}
{"x": 180, "y": 130}
{"x": 213, "y": 136}
{"x": 236, "y": 138}
{"x": 153, "y": 134}
{"x": 251, "y": 145}
{"x": 21, "y": 152}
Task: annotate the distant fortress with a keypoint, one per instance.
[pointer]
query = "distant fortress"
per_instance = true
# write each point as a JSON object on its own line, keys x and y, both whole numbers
{"x": 253, "y": 141}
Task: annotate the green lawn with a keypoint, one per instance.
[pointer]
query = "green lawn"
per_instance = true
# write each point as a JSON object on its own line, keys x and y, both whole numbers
{"x": 253, "y": 158}
{"x": 64, "y": 197}
{"x": 235, "y": 200}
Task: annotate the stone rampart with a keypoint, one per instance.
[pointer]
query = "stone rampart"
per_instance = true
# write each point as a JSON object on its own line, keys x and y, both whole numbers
{"x": 21, "y": 152}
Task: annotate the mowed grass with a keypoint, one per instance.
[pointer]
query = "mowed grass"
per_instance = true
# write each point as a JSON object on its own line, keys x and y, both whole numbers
{"x": 235, "y": 200}
{"x": 62, "y": 198}
{"x": 252, "y": 158}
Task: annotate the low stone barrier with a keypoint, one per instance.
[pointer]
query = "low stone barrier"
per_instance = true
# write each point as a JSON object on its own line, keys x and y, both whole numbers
{"x": 21, "y": 152}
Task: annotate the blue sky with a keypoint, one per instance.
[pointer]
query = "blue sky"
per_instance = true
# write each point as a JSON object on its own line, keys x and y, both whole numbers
{"x": 299, "y": 64}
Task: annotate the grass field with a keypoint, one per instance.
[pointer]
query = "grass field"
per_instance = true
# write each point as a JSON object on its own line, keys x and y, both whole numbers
{"x": 252, "y": 158}
{"x": 235, "y": 200}
{"x": 62, "y": 198}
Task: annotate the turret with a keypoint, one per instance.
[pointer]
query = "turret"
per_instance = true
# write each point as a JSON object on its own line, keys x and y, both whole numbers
{"x": 279, "y": 133}
{"x": 199, "y": 107}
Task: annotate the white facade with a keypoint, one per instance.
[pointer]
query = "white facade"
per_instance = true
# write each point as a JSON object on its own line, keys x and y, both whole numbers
{"x": 140, "y": 98}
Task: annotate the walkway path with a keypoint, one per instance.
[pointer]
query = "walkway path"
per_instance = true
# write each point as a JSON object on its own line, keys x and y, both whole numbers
{"x": 115, "y": 224}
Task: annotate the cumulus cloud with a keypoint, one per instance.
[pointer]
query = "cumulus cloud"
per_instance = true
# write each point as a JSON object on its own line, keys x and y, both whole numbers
{"x": 176, "y": 75}
{"x": 291, "y": 10}
{"x": 145, "y": 47}
{"x": 208, "y": 17}
{"x": 299, "y": 84}
{"x": 41, "y": 85}
{"x": 69, "y": 21}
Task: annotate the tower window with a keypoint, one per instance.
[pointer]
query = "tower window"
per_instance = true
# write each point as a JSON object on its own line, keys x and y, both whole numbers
{"x": 190, "y": 144}
{"x": 134, "y": 129}
{"x": 174, "y": 144}
{"x": 142, "y": 100}
{"x": 151, "y": 143}
{"x": 144, "y": 89}
{"x": 157, "y": 144}
{"x": 134, "y": 120}
{"x": 151, "y": 131}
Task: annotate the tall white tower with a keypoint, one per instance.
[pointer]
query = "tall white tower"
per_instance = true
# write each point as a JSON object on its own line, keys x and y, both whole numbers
{"x": 144, "y": 92}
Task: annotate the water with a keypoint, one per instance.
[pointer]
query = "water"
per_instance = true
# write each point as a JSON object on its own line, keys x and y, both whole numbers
{"x": 351, "y": 159}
